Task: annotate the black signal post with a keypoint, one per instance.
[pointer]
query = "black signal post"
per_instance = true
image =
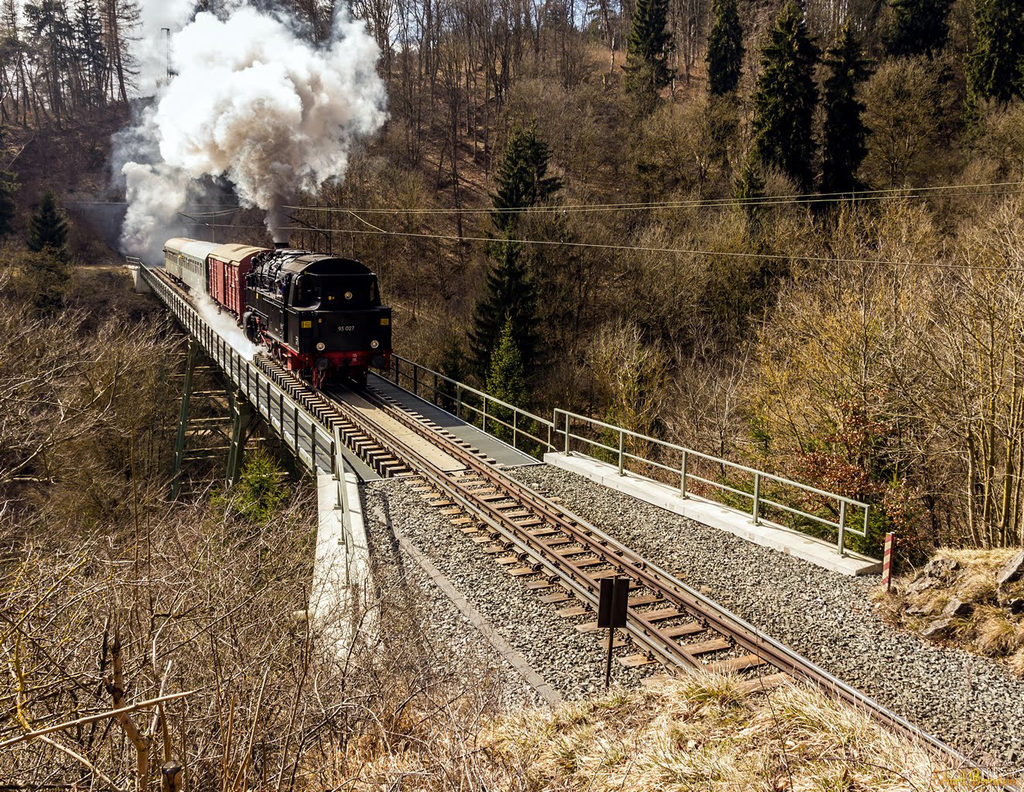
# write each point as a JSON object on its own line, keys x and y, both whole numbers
{"x": 611, "y": 613}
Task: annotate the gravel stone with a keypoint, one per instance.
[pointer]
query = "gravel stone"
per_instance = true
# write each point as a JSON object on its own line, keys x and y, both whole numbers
{"x": 449, "y": 639}
{"x": 970, "y": 702}
{"x": 572, "y": 663}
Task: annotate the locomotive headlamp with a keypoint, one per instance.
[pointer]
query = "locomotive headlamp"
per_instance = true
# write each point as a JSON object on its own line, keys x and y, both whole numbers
{"x": 321, "y": 346}
{"x": 348, "y": 295}
{"x": 374, "y": 344}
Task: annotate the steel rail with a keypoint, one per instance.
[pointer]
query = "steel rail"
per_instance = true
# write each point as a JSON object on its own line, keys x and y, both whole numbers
{"x": 705, "y": 610}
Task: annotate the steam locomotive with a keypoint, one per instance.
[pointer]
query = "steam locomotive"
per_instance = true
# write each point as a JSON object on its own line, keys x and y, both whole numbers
{"x": 321, "y": 315}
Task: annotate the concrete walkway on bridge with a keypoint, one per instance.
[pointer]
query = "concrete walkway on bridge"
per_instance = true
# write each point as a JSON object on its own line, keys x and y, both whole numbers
{"x": 792, "y": 543}
{"x": 502, "y": 453}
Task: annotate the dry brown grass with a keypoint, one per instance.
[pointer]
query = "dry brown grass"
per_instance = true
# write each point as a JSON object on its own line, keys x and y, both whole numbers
{"x": 697, "y": 733}
{"x": 700, "y": 733}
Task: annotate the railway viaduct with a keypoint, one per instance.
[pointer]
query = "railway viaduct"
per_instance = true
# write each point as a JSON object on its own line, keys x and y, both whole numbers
{"x": 671, "y": 623}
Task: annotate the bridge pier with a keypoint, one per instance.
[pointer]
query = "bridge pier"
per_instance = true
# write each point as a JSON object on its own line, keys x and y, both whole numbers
{"x": 139, "y": 283}
{"x": 194, "y": 352}
{"x": 341, "y": 601}
{"x": 209, "y": 431}
{"x": 242, "y": 423}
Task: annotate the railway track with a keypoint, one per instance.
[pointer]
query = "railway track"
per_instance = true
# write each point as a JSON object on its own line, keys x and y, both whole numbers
{"x": 563, "y": 558}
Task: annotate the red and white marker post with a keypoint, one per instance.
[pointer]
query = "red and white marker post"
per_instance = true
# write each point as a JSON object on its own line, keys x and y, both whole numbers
{"x": 887, "y": 561}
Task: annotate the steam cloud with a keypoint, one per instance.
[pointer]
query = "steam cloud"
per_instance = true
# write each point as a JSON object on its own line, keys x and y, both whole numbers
{"x": 253, "y": 104}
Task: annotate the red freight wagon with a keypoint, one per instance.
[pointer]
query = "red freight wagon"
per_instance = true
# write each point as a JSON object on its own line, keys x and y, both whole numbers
{"x": 226, "y": 271}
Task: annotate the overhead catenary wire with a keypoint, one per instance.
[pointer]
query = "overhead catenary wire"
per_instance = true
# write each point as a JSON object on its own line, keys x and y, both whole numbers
{"x": 980, "y": 189}
{"x": 633, "y": 248}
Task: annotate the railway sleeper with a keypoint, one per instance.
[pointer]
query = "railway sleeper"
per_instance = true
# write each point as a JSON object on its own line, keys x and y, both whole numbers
{"x": 762, "y": 684}
{"x": 708, "y": 647}
{"x": 620, "y": 642}
{"x": 637, "y": 660}
{"x": 734, "y": 664}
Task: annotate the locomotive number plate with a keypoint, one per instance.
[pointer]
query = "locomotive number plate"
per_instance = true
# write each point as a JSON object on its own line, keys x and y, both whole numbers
{"x": 346, "y": 328}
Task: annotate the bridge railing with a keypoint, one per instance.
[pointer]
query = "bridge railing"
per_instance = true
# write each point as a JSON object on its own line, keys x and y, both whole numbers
{"x": 765, "y": 497}
{"x": 520, "y": 428}
{"x": 312, "y": 443}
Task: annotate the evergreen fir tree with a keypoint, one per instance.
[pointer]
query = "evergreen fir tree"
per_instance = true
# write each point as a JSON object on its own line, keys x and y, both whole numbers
{"x": 506, "y": 379}
{"x": 47, "y": 274}
{"x": 749, "y": 188}
{"x": 522, "y": 181}
{"x": 48, "y": 229}
{"x": 843, "y": 147}
{"x": 522, "y": 177}
{"x": 511, "y": 295}
{"x": 91, "y": 53}
{"x": 725, "y": 48}
{"x": 8, "y": 209}
{"x": 916, "y": 27}
{"x": 647, "y": 51}
{"x": 8, "y": 186}
{"x": 995, "y": 69}
{"x": 785, "y": 98}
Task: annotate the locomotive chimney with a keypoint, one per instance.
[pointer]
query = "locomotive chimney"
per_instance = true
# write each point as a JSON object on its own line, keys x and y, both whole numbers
{"x": 280, "y": 245}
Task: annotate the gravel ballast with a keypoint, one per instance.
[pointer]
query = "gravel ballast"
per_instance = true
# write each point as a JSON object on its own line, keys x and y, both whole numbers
{"x": 570, "y": 662}
{"x": 446, "y": 637}
{"x": 970, "y": 702}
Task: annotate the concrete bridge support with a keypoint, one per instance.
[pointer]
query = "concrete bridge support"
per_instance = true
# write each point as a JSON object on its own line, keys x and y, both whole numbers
{"x": 342, "y": 602}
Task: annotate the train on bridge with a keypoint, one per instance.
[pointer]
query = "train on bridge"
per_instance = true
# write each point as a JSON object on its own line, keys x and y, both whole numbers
{"x": 320, "y": 315}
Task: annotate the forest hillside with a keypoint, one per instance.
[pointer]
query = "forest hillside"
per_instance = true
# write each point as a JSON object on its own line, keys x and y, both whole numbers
{"x": 786, "y": 233}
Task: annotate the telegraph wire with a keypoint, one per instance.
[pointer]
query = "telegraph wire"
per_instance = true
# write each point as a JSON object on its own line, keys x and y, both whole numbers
{"x": 980, "y": 189}
{"x": 630, "y": 248}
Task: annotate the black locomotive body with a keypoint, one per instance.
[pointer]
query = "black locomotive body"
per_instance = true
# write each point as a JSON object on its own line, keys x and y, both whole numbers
{"x": 320, "y": 314}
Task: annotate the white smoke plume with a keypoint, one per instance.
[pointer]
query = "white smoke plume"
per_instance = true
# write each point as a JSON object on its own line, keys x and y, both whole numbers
{"x": 253, "y": 104}
{"x": 225, "y": 324}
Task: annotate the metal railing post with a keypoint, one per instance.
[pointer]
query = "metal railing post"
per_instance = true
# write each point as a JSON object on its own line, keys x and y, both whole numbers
{"x": 339, "y": 468}
{"x": 757, "y": 498}
{"x": 515, "y": 415}
{"x": 415, "y": 380}
{"x": 485, "y": 414}
{"x": 567, "y": 433}
{"x": 682, "y": 475}
{"x": 622, "y": 442}
{"x": 842, "y": 527}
